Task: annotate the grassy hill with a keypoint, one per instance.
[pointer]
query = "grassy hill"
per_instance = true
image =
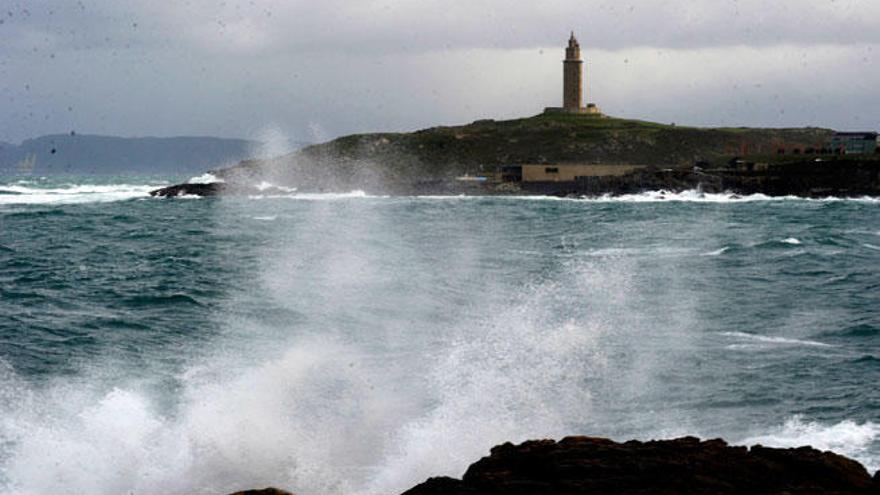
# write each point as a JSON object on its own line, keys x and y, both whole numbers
{"x": 439, "y": 153}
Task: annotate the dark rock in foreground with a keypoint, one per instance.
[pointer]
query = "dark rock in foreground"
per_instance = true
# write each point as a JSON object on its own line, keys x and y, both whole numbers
{"x": 584, "y": 465}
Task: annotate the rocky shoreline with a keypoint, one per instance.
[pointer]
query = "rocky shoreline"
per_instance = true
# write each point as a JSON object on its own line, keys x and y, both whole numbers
{"x": 448, "y": 160}
{"x": 580, "y": 465}
{"x": 810, "y": 179}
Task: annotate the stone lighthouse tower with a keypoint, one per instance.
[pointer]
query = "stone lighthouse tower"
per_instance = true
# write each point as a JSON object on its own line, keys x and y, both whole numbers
{"x": 573, "y": 82}
{"x": 573, "y": 77}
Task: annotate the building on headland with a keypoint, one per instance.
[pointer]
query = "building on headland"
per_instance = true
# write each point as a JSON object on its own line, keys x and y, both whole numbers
{"x": 569, "y": 172}
{"x": 573, "y": 83}
{"x": 563, "y": 172}
{"x": 854, "y": 143}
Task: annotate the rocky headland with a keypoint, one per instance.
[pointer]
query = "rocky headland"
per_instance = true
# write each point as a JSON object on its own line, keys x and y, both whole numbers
{"x": 673, "y": 158}
{"x": 586, "y": 465}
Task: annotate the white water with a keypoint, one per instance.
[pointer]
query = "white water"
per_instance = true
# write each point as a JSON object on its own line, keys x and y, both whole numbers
{"x": 356, "y": 194}
{"x": 765, "y": 339}
{"x": 847, "y": 438}
{"x": 689, "y": 196}
{"x": 206, "y": 178}
{"x": 72, "y": 193}
{"x": 318, "y": 414}
{"x": 717, "y": 252}
{"x": 24, "y": 192}
{"x": 326, "y": 412}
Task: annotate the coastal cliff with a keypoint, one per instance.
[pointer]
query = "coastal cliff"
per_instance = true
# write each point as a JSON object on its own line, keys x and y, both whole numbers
{"x": 430, "y": 160}
{"x": 579, "y": 465}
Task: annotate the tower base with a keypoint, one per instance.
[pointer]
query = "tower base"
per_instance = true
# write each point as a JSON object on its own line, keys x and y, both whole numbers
{"x": 590, "y": 109}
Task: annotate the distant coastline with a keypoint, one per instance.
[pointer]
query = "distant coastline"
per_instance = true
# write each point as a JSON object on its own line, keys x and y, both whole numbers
{"x": 94, "y": 154}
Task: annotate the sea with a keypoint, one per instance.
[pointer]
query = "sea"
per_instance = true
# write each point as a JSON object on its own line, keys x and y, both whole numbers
{"x": 358, "y": 344}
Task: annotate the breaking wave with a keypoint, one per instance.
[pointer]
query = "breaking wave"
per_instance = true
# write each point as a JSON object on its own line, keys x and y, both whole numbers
{"x": 292, "y": 194}
{"x": 206, "y": 178}
{"x": 71, "y": 193}
{"x": 717, "y": 252}
{"x": 689, "y": 196}
{"x": 765, "y": 339}
{"x": 848, "y": 438}
{"x": 369, "y": 348}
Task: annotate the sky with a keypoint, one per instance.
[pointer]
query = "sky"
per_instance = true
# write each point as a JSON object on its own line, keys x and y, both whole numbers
{"x": 313, "y": 70}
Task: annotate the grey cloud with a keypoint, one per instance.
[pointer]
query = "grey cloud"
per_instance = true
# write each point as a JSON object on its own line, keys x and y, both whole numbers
{"x": 381, "y": 26}
{"x": 232, "y": 68}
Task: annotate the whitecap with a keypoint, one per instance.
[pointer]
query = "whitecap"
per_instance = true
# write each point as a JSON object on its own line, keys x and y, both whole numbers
{"x": 206, "y": 178}
{"x": 791, "y": 240}
{"x": 717, "y": 252}
{"x": 458, "y": 196}
{"x": 72, "y": 193}
{"x": 768, "y": 339}
{"x": 262, "y": 186}
{"x": 356, "y": 194}
{"x": 847, "y": 437}
{"x": 691, "y": 196}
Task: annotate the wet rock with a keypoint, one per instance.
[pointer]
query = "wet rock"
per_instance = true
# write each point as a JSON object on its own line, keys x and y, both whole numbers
{"x": 210, "y": 189}
{"x": 579, "y": 465}
{"x": 264, "y": 491}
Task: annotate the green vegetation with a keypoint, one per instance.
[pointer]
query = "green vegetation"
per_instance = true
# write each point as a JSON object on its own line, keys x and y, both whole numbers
{"x": 483, "y": 146}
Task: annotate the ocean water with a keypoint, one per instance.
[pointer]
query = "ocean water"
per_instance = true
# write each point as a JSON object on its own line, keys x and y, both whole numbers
{"x": 343, "y": 343}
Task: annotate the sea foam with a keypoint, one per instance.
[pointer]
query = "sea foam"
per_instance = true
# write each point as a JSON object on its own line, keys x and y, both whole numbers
{"x": 768, "y": 339}
{"x": 72, "y": 193}
{"x": 847, "y": 437}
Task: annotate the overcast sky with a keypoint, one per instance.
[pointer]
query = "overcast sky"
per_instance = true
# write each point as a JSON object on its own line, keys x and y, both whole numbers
{"x": 312, "y": 70}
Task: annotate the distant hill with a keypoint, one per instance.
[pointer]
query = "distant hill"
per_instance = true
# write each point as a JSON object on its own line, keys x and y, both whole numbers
{"x": 90, "y": 154}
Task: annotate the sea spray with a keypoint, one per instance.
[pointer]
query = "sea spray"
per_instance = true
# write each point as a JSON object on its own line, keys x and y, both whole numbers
{"x": 359, "y": 345}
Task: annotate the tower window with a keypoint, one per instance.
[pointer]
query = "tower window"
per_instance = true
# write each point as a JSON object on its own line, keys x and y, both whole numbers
{"x": 551, "y": 170}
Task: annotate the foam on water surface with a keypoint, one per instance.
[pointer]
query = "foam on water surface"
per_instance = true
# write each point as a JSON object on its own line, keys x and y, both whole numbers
{"x": 72, "y": 193}
{"x": 766, "y": 339}
{"x": 358, "y": 344}
{"x": 849, "y": 438}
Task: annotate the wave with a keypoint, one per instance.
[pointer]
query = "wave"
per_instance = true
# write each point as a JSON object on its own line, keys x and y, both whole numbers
{"x": 717, "y": 252}
{"x": 20, "y": 193}
{"x": 765, "y": 339}
{"x": 161, "y": 301}
{"x": 206, "y": 178}
{"x": 847, "y": 437}
{"x": 867, "y": 359}
{"x": 356, "y": 194}
{"x": 862, "y": 330}
{"x": 697, "y": 196}
{"x": 689, "y": 196}
{"x": 320, "y": 411}
{"x": 72, "y": 193}
{"x": 263, "y": 186}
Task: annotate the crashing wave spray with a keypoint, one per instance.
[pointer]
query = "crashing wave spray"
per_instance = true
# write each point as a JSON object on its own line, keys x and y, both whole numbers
{"x": 392, "y": 376}
{"x": 383, "y": 341}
